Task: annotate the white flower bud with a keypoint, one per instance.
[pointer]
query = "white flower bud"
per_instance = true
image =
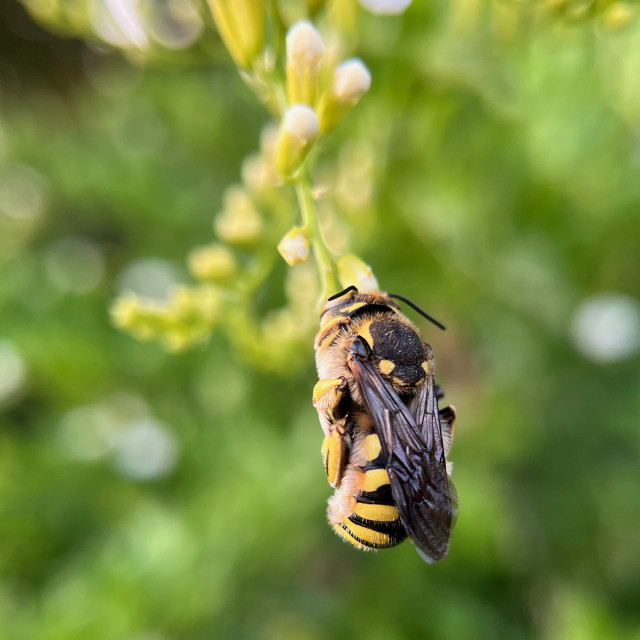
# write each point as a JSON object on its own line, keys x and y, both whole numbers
{"x": 298, "y": 131}
{"x": 301, "y": 123}
{"x": 304, "y": 52}
{"x": 351, "y": 81}
{"x": 294, "y": 247}
{"x": 352, "y": 270}
{"x": 304, "y": 47}
{"x": 385, "y": 7}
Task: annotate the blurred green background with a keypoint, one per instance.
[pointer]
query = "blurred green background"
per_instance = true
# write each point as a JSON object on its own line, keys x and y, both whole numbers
{"x": 153, "y": 497}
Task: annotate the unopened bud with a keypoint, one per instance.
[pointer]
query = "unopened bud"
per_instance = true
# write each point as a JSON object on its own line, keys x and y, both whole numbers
{"x": 298, "y": 131}
{"x": 258, "y": 175}
{"x": 351, "y": 80}
{"x": 214, "y": 264}
{"x": 124, "y": 311}
{"x": 241, "y": 25}
{"x": 294, "y": 247}
{"x": 353, "y": 271}
{"x": 191, "y": 315}
{"x": 193, "y": 306}
{"x": 239, "y": 223}
{"x": 185, "y": 319}
{"x": 304, "y": 52}
{"x": 144, "y": 319}
{"x": 385, "y": 7}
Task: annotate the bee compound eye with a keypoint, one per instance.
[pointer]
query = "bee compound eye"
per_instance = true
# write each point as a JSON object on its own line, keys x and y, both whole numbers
{"x": 359, "y": 348}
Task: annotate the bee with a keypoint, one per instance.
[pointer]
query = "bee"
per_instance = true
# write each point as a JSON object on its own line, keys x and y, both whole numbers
{"x": 386, "y": 442}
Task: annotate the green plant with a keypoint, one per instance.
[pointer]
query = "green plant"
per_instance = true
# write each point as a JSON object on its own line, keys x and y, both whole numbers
{"x": 309, "y": 89}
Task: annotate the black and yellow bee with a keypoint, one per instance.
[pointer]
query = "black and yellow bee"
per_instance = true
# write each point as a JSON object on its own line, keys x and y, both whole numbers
{"x": 386, "y": 442}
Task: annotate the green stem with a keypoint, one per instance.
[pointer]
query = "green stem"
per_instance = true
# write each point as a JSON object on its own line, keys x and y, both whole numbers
{"x": 324, "y": 259}
{"x": 281, "y": 33}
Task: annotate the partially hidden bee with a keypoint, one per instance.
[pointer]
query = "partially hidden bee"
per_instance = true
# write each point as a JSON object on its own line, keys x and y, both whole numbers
{"x": 386, "y": 442}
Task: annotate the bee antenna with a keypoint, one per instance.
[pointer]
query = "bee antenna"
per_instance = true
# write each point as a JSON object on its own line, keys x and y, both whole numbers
{"x": 341, "y": 293}
{"x": 415, "y": 307}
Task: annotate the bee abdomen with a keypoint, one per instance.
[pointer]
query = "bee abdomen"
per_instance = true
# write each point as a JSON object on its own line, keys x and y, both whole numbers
{"x": 373, "y": 521}
{"x": 382, "y": 495}
{"x": 370, "y": 534}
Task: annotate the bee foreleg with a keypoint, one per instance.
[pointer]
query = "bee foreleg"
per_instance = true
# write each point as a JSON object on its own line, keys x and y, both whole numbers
{"x": 327, "y": 395}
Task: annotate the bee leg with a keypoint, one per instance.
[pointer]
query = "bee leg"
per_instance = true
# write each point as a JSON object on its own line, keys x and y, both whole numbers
{"x": 335, "y": 452}
{"x": 447, "y": 422}
{"x": 439, "y": 392}
{"x": 327, "y": 395}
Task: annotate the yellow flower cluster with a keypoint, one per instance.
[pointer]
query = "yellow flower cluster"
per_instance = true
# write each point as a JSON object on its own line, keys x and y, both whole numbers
{"x": 229, "y": 271}
{"x": 187, "y": 318}
{"x": 310, "y": 93}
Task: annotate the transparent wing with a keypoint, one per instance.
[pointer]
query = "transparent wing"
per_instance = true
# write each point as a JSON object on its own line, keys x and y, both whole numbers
{"x": 412, "y": 444}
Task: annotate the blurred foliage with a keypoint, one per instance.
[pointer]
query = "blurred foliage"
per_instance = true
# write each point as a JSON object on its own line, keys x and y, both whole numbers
{"x": 147, "y": 496}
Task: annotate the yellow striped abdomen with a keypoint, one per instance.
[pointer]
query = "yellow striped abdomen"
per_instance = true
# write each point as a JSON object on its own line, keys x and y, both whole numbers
{"x": 362, "y": 510}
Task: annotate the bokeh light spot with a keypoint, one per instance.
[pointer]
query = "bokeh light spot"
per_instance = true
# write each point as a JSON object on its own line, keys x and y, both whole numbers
{"x": 89, "y": 433}
{"x": 150, "y": 278}
{"x": 74, "y": 265}
{"x": 606, "y": 327}
{"x": 175, "y": 24}
{"x": 23, "y": 193}
{"x": 119, "y": 22}
{"x": 12, "y": 370}
{"x": 145, "y": 451}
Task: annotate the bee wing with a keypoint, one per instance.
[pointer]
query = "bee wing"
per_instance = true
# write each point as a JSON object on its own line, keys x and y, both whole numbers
{"x": 413, "y": 447}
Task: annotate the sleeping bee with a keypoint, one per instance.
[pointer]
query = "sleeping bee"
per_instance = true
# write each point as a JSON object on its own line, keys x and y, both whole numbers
{"x": 386, "y": 443}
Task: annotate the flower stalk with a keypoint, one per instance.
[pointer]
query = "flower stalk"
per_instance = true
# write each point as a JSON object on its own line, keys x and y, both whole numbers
{"x": 323, "y": 257}
{"x": 309, "y": 94}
